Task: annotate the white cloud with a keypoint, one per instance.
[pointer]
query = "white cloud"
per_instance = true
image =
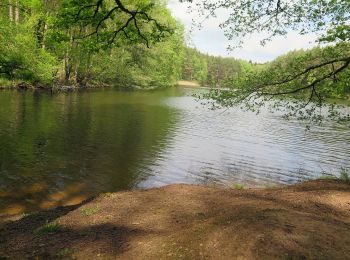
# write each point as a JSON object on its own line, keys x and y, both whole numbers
{"x": 211, "y": 39}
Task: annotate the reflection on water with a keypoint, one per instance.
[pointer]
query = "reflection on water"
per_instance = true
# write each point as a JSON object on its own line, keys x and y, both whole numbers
{"x": 61, "y": 149}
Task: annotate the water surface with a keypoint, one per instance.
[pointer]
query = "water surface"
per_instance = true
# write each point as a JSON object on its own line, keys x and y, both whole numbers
{"x": 61, "y": 149}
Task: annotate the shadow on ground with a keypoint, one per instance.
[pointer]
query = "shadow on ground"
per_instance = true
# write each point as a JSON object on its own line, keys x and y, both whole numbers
{"x": 310, "y": 220}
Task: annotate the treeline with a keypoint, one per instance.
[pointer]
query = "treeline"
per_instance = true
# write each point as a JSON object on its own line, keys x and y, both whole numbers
{"x": 312, "y": 74}
{"x": 44, "y": 44}
{"x": 69, "y": 42}
{"x": 212, "y": 71}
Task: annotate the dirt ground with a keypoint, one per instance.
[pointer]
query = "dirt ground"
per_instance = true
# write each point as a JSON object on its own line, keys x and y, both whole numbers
{"x": 305, "y": 221}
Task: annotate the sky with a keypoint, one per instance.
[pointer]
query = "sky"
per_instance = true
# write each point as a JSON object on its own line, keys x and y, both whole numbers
{"x": 211, "y": 39}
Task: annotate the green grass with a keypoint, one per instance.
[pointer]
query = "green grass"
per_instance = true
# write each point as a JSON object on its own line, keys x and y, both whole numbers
{"x": 328, "y": 177}
{"x": 48, "y": 228}
{"x": 238, "y": 186}
{"x": 64, "y": 252}
{"x": 110, "y": 195}
{"x": 90, "y": 211}
{"x": 5, "y": 83}
{"x": 344, "y": 175}
{"x": 271, "y": 186}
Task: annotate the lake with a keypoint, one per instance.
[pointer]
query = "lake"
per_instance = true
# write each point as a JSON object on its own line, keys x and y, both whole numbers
{"x": 61, "y": 149}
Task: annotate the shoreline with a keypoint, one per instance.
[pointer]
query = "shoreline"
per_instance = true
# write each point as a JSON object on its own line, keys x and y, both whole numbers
{"x": 61, "y": 88}
{"x": 305, "y": 220}
{"x": 23, "y": 86}
{"x": 57, "y": 88}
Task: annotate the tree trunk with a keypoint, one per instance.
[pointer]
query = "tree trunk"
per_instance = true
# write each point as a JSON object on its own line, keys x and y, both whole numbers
{"x": 10, "y": 11}
{"x": 66, "y": 68}
{"x": 17, "y": 12}
{"x": 76, "y": 72}
{"x": 44, "y": 34}
{"x": 67, "y": 62}
{"x": 87, "y": 74}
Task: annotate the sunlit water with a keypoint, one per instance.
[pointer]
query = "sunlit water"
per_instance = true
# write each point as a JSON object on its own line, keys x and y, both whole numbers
{"x": 61, "y": 149}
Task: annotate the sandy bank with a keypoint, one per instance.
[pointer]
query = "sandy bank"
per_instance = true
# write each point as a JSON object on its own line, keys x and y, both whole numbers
{"x": 308, "y": 220}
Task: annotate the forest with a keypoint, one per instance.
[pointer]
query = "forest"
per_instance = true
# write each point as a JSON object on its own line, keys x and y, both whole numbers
{"x": 50, "y": 44}
{"x": 41, "y": 48}
{"x": 43, "y": 44}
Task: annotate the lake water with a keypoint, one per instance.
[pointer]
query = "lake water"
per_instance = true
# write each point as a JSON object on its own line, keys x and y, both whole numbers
{"x": 61, "y": 149}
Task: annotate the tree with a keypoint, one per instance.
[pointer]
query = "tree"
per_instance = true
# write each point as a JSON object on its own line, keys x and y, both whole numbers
{"x": 194, "y": 67}
{"x": 20, "y": 59}
{"x": 89, "y": 42}
{"x": 308, "y": 73}
{"x": 278, "y": 17}
{"x": 109, "y": 19}
{"x": 208, "y": 70}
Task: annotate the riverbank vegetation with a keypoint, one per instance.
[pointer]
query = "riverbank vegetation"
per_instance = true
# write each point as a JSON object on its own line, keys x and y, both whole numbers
{"x": 297, "y": 83}
{"x": 300, "y": 84}
{"x": 212, "y": 71}
{"x": 47, "y": 43}
{"x": 139, "y": 44}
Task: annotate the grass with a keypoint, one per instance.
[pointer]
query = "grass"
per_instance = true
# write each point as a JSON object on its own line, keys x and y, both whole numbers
{"x": 238, "y": 186}
{"x": 328, "y": 177}
{"x": 25, "y": 215}
{"x": 90, "y": 211}
{"x": 48, "y": 228}
{"x": 110, "y": 195}
{"x": 343, "y": 176}
{"x": 8, "y": 84}
{"x": 64, "y": 252}
{"x": 271, "y": 186}
{"x": 5, "y": 83}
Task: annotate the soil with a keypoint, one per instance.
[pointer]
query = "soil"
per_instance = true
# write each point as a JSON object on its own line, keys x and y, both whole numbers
{"x": 304, "y": 221}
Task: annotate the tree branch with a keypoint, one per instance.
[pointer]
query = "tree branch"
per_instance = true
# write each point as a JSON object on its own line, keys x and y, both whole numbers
{"x": 316, "y": 81}
{"x": 135, "y": 17}
{"x": 308, "y": 69}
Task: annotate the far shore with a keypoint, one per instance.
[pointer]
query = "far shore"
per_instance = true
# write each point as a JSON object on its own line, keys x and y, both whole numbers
{"x": 187, "y": 83}
{"x": 310, "y": 220}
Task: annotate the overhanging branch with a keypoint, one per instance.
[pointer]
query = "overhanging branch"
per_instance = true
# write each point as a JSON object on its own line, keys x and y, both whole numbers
{"x": 135, "y": 18}
{"x": 314, "y": 83}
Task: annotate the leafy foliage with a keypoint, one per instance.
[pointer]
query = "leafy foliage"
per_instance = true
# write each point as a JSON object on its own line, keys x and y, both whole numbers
{"x": 90, "y": 42}
{"x": 19, "y": 56}
{"x": 278, "y": 17}
{"x": 138, "y": 65}
{"x": 308, "y": 77}
{"x": 297, "y": 83}
{"x": 210, "y": 70}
